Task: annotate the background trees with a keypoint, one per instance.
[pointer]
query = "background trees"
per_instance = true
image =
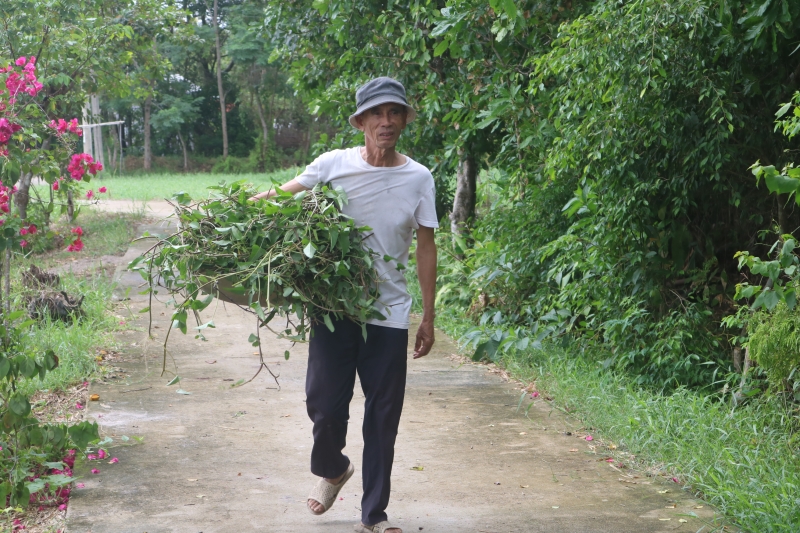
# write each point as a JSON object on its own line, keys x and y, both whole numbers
{"x": 613, "y": 139}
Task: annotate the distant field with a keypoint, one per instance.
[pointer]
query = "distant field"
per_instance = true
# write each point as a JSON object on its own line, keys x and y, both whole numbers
{"x": 157, "y": 186}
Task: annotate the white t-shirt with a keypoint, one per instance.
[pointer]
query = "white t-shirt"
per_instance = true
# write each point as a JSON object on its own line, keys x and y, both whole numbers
{"x": 393, "y": 201}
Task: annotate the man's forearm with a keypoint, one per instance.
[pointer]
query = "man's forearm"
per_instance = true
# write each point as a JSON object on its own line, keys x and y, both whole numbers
{"x": 292, "y": 186}
{"x": 426, "y": 273}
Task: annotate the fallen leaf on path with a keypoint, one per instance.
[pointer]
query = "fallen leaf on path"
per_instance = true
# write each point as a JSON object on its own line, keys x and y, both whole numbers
{"x": 682, "y": 520}
{"x": 418, "y": 468}
{"x": 255, "y": 353}
{"x": 192, "y": 479}
{"x": 201, "y": 495}
{"x": 181, "y": 391}
{"x": 669, "y": 506}
{"x": 285, "y": 416}
{"x": 574, "y": 450}
{"x": 239, "y": 474}
{"x": 628, "y": 481}
{"x": 496, "y": 482}
{"x": 524, "y": 486}
{"x": 698, "y": 506}
{"x": 491, "y": 425}
{"x": 555, "y": 507}
{"x": 663, "y": 491}
{"x": 211, "y": 362}
{"x": 665, "y": 519}
{"x": 523, "y": 433}
{"x": 94, "y": 397}
{"x": 105, "y": 406}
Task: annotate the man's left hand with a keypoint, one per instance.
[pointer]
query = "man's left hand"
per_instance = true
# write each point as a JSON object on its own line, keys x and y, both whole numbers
{"x": 425, "y": 339}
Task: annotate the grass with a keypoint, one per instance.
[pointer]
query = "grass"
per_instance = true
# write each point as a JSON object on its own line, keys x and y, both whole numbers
{"x": 744, "y": 460}
{"x": 157, "y": 186}
{"x": 76, "y": 342}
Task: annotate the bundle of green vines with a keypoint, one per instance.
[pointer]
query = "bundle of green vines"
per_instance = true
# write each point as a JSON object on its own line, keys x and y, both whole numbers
{"x": 293, "y": 258}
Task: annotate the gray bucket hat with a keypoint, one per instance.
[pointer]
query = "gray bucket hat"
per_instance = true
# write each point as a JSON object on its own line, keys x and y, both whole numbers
{"x": 379, "y": 91}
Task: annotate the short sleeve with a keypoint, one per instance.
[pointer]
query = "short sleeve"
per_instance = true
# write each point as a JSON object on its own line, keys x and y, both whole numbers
{"x": 425, "y": 214}
{"x": 312, "y": 175}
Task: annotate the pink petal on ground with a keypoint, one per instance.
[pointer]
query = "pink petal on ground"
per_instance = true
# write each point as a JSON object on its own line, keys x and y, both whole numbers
{"x": 675, "y": 480}
{"x": 101, "y": 454}
{"x": 78, "y": 406}
{"x": 80, "y": 485}
{"x": 589, "y": 437}
{"x": 95, "y": 471}
{"x": 62, "y": 507}
{"x": 91, "y": 457}
{"x": 113, "y": 460}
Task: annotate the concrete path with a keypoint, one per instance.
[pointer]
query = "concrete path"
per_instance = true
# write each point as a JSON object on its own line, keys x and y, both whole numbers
{"x": 223, "y": 459}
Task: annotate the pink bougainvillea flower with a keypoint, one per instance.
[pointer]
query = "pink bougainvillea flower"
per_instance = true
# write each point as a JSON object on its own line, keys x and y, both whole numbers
{"x": 62, "y": 507}
{"x": 610, "y": 460}
{"x": 589, "y": 437}
{"x": 91, "y": 457}
{"x": 79, "y": 231}
{"x": 675, "y": 480}
{"x": 95, "y": 471}
{"x": 101, "y": 454}
{"x": 23, "y": 231}
{"x": 55, "y": 185}
{"x": 113, "y": 460}
{"x": 102, "y": 190}
{"x": 79, "y": 485}
{"x": 72, "y": 453}
{"x": 32, "y": 229}
{"x": 535, "y": 394}
{"x": 21, "y": 61}
{"x": 78, "y": 405}
{"x": 76, "y": 246}
{"x": 23, "y": 243}
{"x": 89, "y": 194}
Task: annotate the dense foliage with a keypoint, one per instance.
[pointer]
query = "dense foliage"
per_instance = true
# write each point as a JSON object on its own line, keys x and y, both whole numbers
{"x": 620, "y": 133}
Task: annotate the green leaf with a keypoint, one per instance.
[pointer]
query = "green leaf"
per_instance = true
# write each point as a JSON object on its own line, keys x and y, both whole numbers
{"x": 327, "y": 318}
{"x": 174, "y": 380}
{"x": 286, "y": 355}
{"x": 781, "y": 184}
{"x": 19, "y": 405}
{"x": 310, "y": 250}
{"x": 253, "y": 339}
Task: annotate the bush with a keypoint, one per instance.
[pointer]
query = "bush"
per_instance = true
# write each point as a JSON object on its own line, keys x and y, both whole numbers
{"x": 775, "y": 345}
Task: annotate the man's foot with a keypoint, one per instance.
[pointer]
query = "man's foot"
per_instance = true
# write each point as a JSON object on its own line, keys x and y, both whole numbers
{"x": 390, "y": 530}
{"x": 380, "y": 527}
{"x": 323, "y": 496}
{"x": 318, "y": 508}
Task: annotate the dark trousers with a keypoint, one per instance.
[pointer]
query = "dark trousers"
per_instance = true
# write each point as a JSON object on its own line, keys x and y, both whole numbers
{"x": 333, "y": 360}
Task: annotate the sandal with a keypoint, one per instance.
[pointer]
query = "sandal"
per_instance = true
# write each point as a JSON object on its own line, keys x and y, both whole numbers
{"x": 325, "y": 493}
{"x": 380, "y": 527}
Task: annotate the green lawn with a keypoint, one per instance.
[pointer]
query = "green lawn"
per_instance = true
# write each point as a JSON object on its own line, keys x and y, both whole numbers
{"x": 157, "y": 186}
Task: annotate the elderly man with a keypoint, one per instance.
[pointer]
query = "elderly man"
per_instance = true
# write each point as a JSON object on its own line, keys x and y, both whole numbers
{"x": 394, "y": 195}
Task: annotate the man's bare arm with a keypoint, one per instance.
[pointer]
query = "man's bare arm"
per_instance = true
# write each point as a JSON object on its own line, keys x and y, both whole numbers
{"x": 292, "y": 186}
{"x": 426, "y": 272}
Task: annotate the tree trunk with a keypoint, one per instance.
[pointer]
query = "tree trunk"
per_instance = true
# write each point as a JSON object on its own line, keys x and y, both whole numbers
{"x": 148, "y": 155}
{"x": 264, "y": 131}
{"x": 219, "y": 81}
{"x": 70, "y": 207}
{"x": 22, "y": 196}
{"x": 185, "y": 153}
{"x": 464, "y": 201}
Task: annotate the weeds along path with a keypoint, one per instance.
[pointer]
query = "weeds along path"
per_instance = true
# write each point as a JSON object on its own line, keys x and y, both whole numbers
{"x": 218, "y": 459}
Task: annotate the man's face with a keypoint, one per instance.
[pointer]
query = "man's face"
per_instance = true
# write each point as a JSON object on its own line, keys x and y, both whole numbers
{"x": 383, "y": 124}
